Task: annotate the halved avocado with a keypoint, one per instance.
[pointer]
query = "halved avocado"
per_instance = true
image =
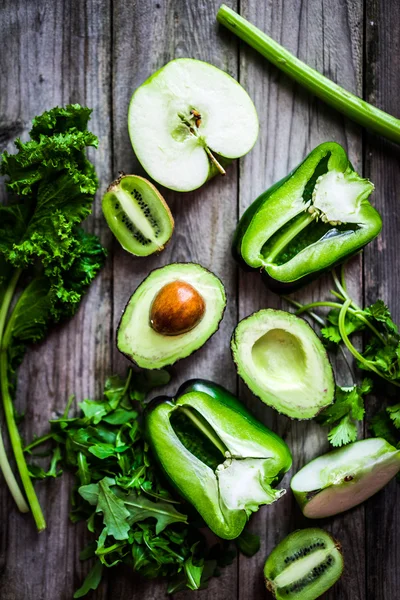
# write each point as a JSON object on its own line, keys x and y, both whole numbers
{"x": 284, "y": 363}
{"x": 343, "y": 478}
{"x": 172, "y": 313}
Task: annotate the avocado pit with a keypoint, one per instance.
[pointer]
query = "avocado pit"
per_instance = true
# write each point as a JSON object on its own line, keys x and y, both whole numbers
{"x": 177, "y": 308}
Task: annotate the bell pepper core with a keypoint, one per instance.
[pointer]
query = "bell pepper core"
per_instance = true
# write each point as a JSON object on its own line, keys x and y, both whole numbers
{"x": 249, "y": 458}
{"x": 309, "y": 221}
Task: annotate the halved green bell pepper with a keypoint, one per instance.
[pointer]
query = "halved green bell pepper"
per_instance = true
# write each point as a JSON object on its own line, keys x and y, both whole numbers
{"x": 309, "y": 221}
{"x": 217, "y": 455}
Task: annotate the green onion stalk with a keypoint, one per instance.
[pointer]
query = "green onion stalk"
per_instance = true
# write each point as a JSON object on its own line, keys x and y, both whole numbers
{"x": 16, "y": 442}
{"x": 350, "y": 105}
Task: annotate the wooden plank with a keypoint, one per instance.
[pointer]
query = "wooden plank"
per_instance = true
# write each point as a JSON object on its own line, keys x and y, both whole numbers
{"x": 55, "y": 53}
{"x": 146, "y": 36}
{"x": 382, "y": 88}
{"x": 328, "y": 36}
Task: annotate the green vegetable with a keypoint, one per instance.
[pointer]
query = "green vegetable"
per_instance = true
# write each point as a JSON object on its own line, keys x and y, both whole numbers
{"x": 380, "y": 357}
{"x": 386, "y": 424}
{"x": 382, "y": 338}
{"x": 43, "y": 251}
{"x": 217, "y": 455}
{"x": 312, "y": 219}
{"x": 350, "y": 105}
{"x": 122, "y": 494}
{"x": 343, "y": 414}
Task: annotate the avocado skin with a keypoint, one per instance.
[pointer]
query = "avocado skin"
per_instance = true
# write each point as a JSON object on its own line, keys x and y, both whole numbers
{"x": 126, "y": 305}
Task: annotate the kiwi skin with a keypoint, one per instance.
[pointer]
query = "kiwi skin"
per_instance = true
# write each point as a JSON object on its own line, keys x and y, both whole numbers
{"x": 322, "y": 575}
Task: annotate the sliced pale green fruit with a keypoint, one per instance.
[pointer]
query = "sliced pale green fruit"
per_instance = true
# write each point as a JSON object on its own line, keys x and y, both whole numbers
{"x": 304, "y": 565}
{"x": 185, "y": 118}
{"x": 284, "y": 363}
{"x": 137, "y": 215}
{"x": 149, "y": 349}
{"x": 343, "y": 478}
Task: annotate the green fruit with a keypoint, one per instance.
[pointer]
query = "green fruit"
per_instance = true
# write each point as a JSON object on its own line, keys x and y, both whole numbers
{"x": 304, "y": 565}
{"x": 172, "y": 313}
{"x": 343, "y": 478}
{"x": 188, "y": 120}
{"x": 137, "y": 215}
{"x": 284, "y": 363}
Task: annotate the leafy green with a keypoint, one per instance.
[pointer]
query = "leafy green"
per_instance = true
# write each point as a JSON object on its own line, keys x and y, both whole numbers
{"x": 92, "y": 580}
{"x": 386, "y": 424}
{"x": 381, "y": 357}
{"x": 394, "y": 414}
{"x": 332, "y": 333}
{"x": 343, "y": 414}
{"x": 121, "y": 493}
{"x": 43, "y": 249}
{"x": 248, "y": 543}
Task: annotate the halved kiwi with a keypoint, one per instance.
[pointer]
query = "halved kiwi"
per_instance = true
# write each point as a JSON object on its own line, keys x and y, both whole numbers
{"x": 137, "y": 215}
{"x": 304, "y": 565}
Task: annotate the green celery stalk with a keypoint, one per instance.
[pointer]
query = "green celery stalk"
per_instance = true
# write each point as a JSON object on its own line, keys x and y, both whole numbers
{"x": 350, "y": 105}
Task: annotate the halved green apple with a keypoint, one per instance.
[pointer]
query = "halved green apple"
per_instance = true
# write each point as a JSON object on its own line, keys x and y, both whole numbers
{"x": 187, "y": 121}
{"x": 343, "y": 478}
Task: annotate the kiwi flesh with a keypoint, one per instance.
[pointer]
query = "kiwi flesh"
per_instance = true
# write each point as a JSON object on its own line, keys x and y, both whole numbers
{"x": 304, "y": 565}
{"x": 137, "y": 215}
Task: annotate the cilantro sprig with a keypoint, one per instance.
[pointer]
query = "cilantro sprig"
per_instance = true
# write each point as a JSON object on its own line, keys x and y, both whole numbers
{"x": 47, "y": 261}
{"x": 122, "y": 495}
{"x": 381, "y": 357}
{"x": 342, "y": 416}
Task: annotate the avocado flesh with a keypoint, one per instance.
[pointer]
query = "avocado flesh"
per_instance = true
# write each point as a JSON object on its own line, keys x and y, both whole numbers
{"x": 151, "y": 350}
{"x": 172, "y": 152}
{"x": 284, "y": 363}
{"x": 343, "y": 478}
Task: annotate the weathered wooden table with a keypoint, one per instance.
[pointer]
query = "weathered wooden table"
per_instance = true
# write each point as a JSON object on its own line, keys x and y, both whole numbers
{"x": 97, "y": 52}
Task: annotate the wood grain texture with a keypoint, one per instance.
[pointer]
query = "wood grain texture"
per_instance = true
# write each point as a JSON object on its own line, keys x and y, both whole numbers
{"x": 97, "y": 52}
{"x": 55, "y": 53}
{"x": 146, "y": 36}
{"x": 382, "y": 268}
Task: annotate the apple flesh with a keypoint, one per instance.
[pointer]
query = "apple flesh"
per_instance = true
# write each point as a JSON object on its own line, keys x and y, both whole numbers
{"x": 177, "y": 308}
{"x": 187, "y": 120}
{"x": 345, "y": 477}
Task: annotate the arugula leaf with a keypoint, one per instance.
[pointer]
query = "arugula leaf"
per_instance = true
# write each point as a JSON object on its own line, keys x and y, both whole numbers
{"x": 193, "y": 573}
{"x": 248, "y": 543}
{"x": 91, "y": 581}
{"x": 114, "y": 512}
{"x": 342, "y": 415}
{"x": 141, "y": 508}
{"x": 121, "y": 493}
